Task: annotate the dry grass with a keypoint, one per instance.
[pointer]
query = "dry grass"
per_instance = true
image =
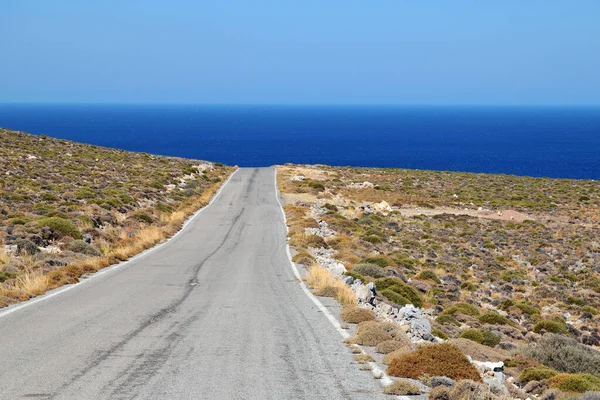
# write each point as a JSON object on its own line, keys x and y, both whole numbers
{"x": 363, "y": 359}
{"x": 387, "y": 346}
{"x": 356, "y": 315}
{"x": 387, "y": 359}
{"x": 371, "y": 333}
{"x": 34, "y": 283}
{"x": 402, "y": 388}
{"x": 319, "y": 278}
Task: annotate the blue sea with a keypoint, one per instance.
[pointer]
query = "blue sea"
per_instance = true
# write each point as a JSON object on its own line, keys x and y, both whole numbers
{"x": 559, "y": 142}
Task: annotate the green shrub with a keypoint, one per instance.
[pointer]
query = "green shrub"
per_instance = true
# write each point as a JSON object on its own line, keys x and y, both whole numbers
{"x": 442, "y": 359}
{"x": 551, "y": 326}
{"x": 379, "y": 261}
{"x": 19, "y": 221}
{"x": 536, "y": 374}
{"x": 143, "y": 218}
{"x": 4, "y": 275}
{"x": 397, "y": 285}
{"x": 79, "y": 246}
{"x": 61, "y": 226}
{"x": 472, "y": 334}
{"x": 316, "y": 185}
{"x": 447, "y": 320}
{"x": 374, "y": 239}
{"x": 490, "y": 339}
{"x": 428, "y": 275}
{"x": 493, "y": 318}
{"x": 565, "y": 354}
{"x": 468, "y": 286}
{"x": 394, "y": 297}
{"x": 578, "y": 383}
{"x": 589, "y": 309}
{"x": 369, "y": 270}
{"x": 527, "y": 308}
{"x": 575, "y": 300}
{"x": 438, "y": 333}
{"x": 355, "y": 275}
{"x": 84, "y": 193}
{"x": 463, "y": 308}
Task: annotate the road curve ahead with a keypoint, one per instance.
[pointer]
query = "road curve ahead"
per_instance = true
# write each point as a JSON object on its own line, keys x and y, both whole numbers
{"x": 214, "y": 314}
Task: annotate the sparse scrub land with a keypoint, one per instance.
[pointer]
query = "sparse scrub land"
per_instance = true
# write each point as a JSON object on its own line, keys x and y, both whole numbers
{"x": 503, "y": 264}
{"x": 69, "y": 209}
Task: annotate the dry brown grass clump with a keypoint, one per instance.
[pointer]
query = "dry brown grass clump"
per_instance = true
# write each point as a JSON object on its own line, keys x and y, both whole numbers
{"x": 364, "y": 359}
{"x": 319, "y": 279}
{"x": 470, "y": 390}
{"x": 435, "y": 360}
{"x": 356, "y": 315}
{"x": 387, "y": 346}
{"x": 372, "y": 333}
{"x": 439, "y": 393}
{"x": 401, "y": 388}
{"x": 328, "y": 291}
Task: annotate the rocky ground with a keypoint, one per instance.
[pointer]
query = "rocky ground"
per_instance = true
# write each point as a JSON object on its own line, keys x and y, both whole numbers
{"x": 67, "y": 209}
{"x": 492, "y": 264}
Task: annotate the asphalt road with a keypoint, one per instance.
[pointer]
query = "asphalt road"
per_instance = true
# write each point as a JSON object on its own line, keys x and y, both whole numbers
{"x": 214, "y": 314}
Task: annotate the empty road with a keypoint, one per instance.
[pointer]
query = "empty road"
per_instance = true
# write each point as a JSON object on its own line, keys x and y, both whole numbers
{"x": 213, "y": 314}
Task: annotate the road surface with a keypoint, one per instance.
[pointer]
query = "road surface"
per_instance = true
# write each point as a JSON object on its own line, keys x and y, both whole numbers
{"x": 213, "y": 314}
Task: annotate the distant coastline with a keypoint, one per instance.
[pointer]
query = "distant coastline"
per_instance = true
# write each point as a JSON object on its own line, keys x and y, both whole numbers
{"x": 545, "y": 141}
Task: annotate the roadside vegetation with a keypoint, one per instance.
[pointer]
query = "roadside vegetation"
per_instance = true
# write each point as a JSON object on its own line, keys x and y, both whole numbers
{"x": 69, "y": 209}
{"x": 507, "y": 268}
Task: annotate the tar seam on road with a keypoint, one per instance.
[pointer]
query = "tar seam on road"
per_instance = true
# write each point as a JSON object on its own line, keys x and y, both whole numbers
{"x": 44, "y": 297}
{"x": 385, "y": 379}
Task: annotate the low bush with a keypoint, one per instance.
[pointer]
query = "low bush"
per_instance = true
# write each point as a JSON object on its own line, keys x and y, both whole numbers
{"x": 387, "y": 359}
{"x": 439, "y": 333}
{"x": 428, "y": 275}
{"x": 397, "y": 285}
{"x": 490, "y": 339}
{"x": 355, "y": 275}
{"x": 472, "y": 334}
{"x": 61, "y": 226}
{"x": 387, "y": 346}
{"x": 439, "y": 393}
{"x": 536, "y": 374}
{"x": 371, "y": 333}
{"x": 578, "y": 383}
{"x": 79, "y": 246}
{"x": 527, "y": 308}
{"x": 565, "y": 354}
{"x": 470, "y": 390}
{"x": 463, "y": 308}
{"x": 550, "y": 325}
{"x": 435, "y": 360}
{"x": 142, "y": 217}
{"x": 394, "y": 297}
{"x": 379, "y": 261}
{"x": 304, "y": 258}
{"x": 4, "y": 275}
{"x": 402, "y": 388}
{"x": 372, "y": 270}
{"x": 356, "y": 315}
{"x": 327, "y": 291}
{"x": 447, "y": 320}
{"x": 493, "y": 318}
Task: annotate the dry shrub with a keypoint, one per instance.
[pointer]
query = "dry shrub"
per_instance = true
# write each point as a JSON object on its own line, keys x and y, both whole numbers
{"x": 578, "y": 383}
{"x": 565, "y": 354}
{"x": 319, "y": 278}
{"x": 387, "y": 346}
{"x": 439, "y": 393}
{"x": 327, "y": 291}
{"x": 387, "y": 359}
{"x": 371, "y": 333}
{"x": 356, "y": 315}
{"x": 401, "y": 388}
{"x": 442, "y": 359}
{"x": 479, "y": 351}
{"x": 470, "y": 390}
{"x": 364, "y": 358}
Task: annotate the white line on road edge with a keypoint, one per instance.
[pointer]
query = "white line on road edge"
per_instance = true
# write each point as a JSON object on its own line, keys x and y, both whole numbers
{"x": 376, "y": 371}
{"x": 11, "y": 309}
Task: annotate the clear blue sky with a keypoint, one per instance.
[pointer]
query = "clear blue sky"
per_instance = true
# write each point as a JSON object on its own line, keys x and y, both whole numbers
{"x": 310, "y": 51}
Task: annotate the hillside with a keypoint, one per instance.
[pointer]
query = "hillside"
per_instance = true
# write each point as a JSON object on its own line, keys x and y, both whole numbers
{"x": 496, "y": 263}
{"x": 68, "y": 209}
